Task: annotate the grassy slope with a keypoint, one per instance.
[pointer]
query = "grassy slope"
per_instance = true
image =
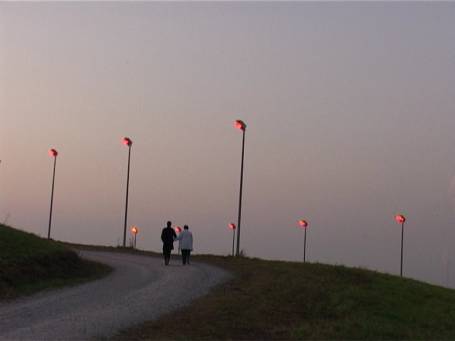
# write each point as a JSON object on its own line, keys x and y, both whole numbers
{"x": 285, "y": 300}
{"x": 29, "y": 263}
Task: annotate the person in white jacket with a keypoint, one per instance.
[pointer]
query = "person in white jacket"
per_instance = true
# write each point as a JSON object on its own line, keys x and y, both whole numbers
{"x": 185, "y": 239}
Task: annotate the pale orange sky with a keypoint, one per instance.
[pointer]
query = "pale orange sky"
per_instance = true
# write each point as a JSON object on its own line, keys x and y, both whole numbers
{"x": 349, "y": 106}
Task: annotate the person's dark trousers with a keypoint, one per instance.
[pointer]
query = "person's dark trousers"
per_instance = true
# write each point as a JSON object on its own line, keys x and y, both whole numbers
{"x": 166, "y": 254}
{"x": 186, "y": 256}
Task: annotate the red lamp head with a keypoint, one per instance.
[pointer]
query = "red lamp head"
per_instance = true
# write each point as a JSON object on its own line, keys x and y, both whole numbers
{"x": 239, "y": 124}
{"x": 134, "y": 230}
{"x": 127, "y": 141}
{"x": 400, "y": 219}
{"x": 303, "y": 224}
{"x": 53, "y": 152}
{"x": 232, "y": 226}
{"x": 178, "y": 229}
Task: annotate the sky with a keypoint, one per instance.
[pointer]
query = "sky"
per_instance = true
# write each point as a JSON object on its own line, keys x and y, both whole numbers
{"x": 349, "y": 106}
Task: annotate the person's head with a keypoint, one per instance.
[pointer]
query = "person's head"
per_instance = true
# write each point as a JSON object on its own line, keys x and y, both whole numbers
{"x": 169, "y": 224}
{"x": 185, "y": 227}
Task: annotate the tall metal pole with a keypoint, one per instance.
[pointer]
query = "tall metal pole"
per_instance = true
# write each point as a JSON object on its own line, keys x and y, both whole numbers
{"x": 233, "y": 241}
{"x": 135, "y": 240}
{"x": 304, "y": 248}
{"x": 402, "y": 233}
{"x": 126, "y": 202}
{"x": 52, "y": 200}
{"x": 240, "y": 194}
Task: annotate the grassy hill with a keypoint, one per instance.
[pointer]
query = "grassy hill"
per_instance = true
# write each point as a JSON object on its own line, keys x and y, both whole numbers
{"x": 288, "y": 300}
{"x": 29, "y": 263}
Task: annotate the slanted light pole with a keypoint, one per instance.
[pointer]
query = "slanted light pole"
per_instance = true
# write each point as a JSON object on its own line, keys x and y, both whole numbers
{"x": 127, "y": 142}
{"x": 134, "y": 231}
{"x": 239, "y": 124}
{"x": 52, "y": 153}
{"x": 232, "y": 227}
{"x": 400, "y": 219}
{"x": 304, "y": 224}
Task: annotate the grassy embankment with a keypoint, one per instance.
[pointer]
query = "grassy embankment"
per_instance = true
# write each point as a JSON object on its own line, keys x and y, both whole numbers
{"x": 287, "y": 300}
{"x": 29, "y": 264}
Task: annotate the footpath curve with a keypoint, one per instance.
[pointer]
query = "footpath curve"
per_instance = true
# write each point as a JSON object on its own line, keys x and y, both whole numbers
{"x": 139, "y": 289}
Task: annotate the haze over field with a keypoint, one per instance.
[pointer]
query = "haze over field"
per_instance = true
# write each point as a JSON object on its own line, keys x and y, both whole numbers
{"x": 350, "y": 110}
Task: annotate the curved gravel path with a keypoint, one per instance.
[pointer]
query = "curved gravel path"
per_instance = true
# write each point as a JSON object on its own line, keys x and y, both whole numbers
{"x": 139, "y": 289}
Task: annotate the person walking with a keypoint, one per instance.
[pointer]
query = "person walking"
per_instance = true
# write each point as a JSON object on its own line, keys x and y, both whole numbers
{"x": 168, "y": 236}
{"x": 186, "y": 244}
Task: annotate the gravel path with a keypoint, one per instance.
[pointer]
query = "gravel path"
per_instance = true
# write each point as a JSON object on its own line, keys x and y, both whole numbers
{"x": 139, "y": 289}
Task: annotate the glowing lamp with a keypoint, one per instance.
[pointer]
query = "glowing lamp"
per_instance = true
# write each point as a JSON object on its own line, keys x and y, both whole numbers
{"x": 53, "y": 152}
{"x": 303, "y": 223}
{"x": 127, "y": 141}
{"x": 135, "y": 231}
{"x": 178, "y": 229}
{"x": 400, "y": 219}
{"x": 233, "y": 227}
{"x": 239, "y": 124}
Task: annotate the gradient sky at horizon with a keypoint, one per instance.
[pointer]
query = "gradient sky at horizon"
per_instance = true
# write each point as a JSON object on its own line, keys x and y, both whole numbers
{"x": 349, "y": 107}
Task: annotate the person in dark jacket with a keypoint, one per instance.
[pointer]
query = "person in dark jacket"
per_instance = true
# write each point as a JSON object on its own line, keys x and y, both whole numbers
{"x": 168, "y": 236}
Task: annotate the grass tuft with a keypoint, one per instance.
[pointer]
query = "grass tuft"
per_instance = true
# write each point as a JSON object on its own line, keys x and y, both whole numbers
{"x": 29, "y": 263}
{"x": 270, "y": 300}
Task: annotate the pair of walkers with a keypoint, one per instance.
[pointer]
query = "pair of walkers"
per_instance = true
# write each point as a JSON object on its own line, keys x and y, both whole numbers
{"x": 185, "y": 238}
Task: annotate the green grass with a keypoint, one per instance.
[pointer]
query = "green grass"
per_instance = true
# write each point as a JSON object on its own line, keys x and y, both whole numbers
{"x": 29, "y": 263}
{"x": 287, "y": 300}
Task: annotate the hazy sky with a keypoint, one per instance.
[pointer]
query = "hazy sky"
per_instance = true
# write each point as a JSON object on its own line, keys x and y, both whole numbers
{"x": 350, "y": 110}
